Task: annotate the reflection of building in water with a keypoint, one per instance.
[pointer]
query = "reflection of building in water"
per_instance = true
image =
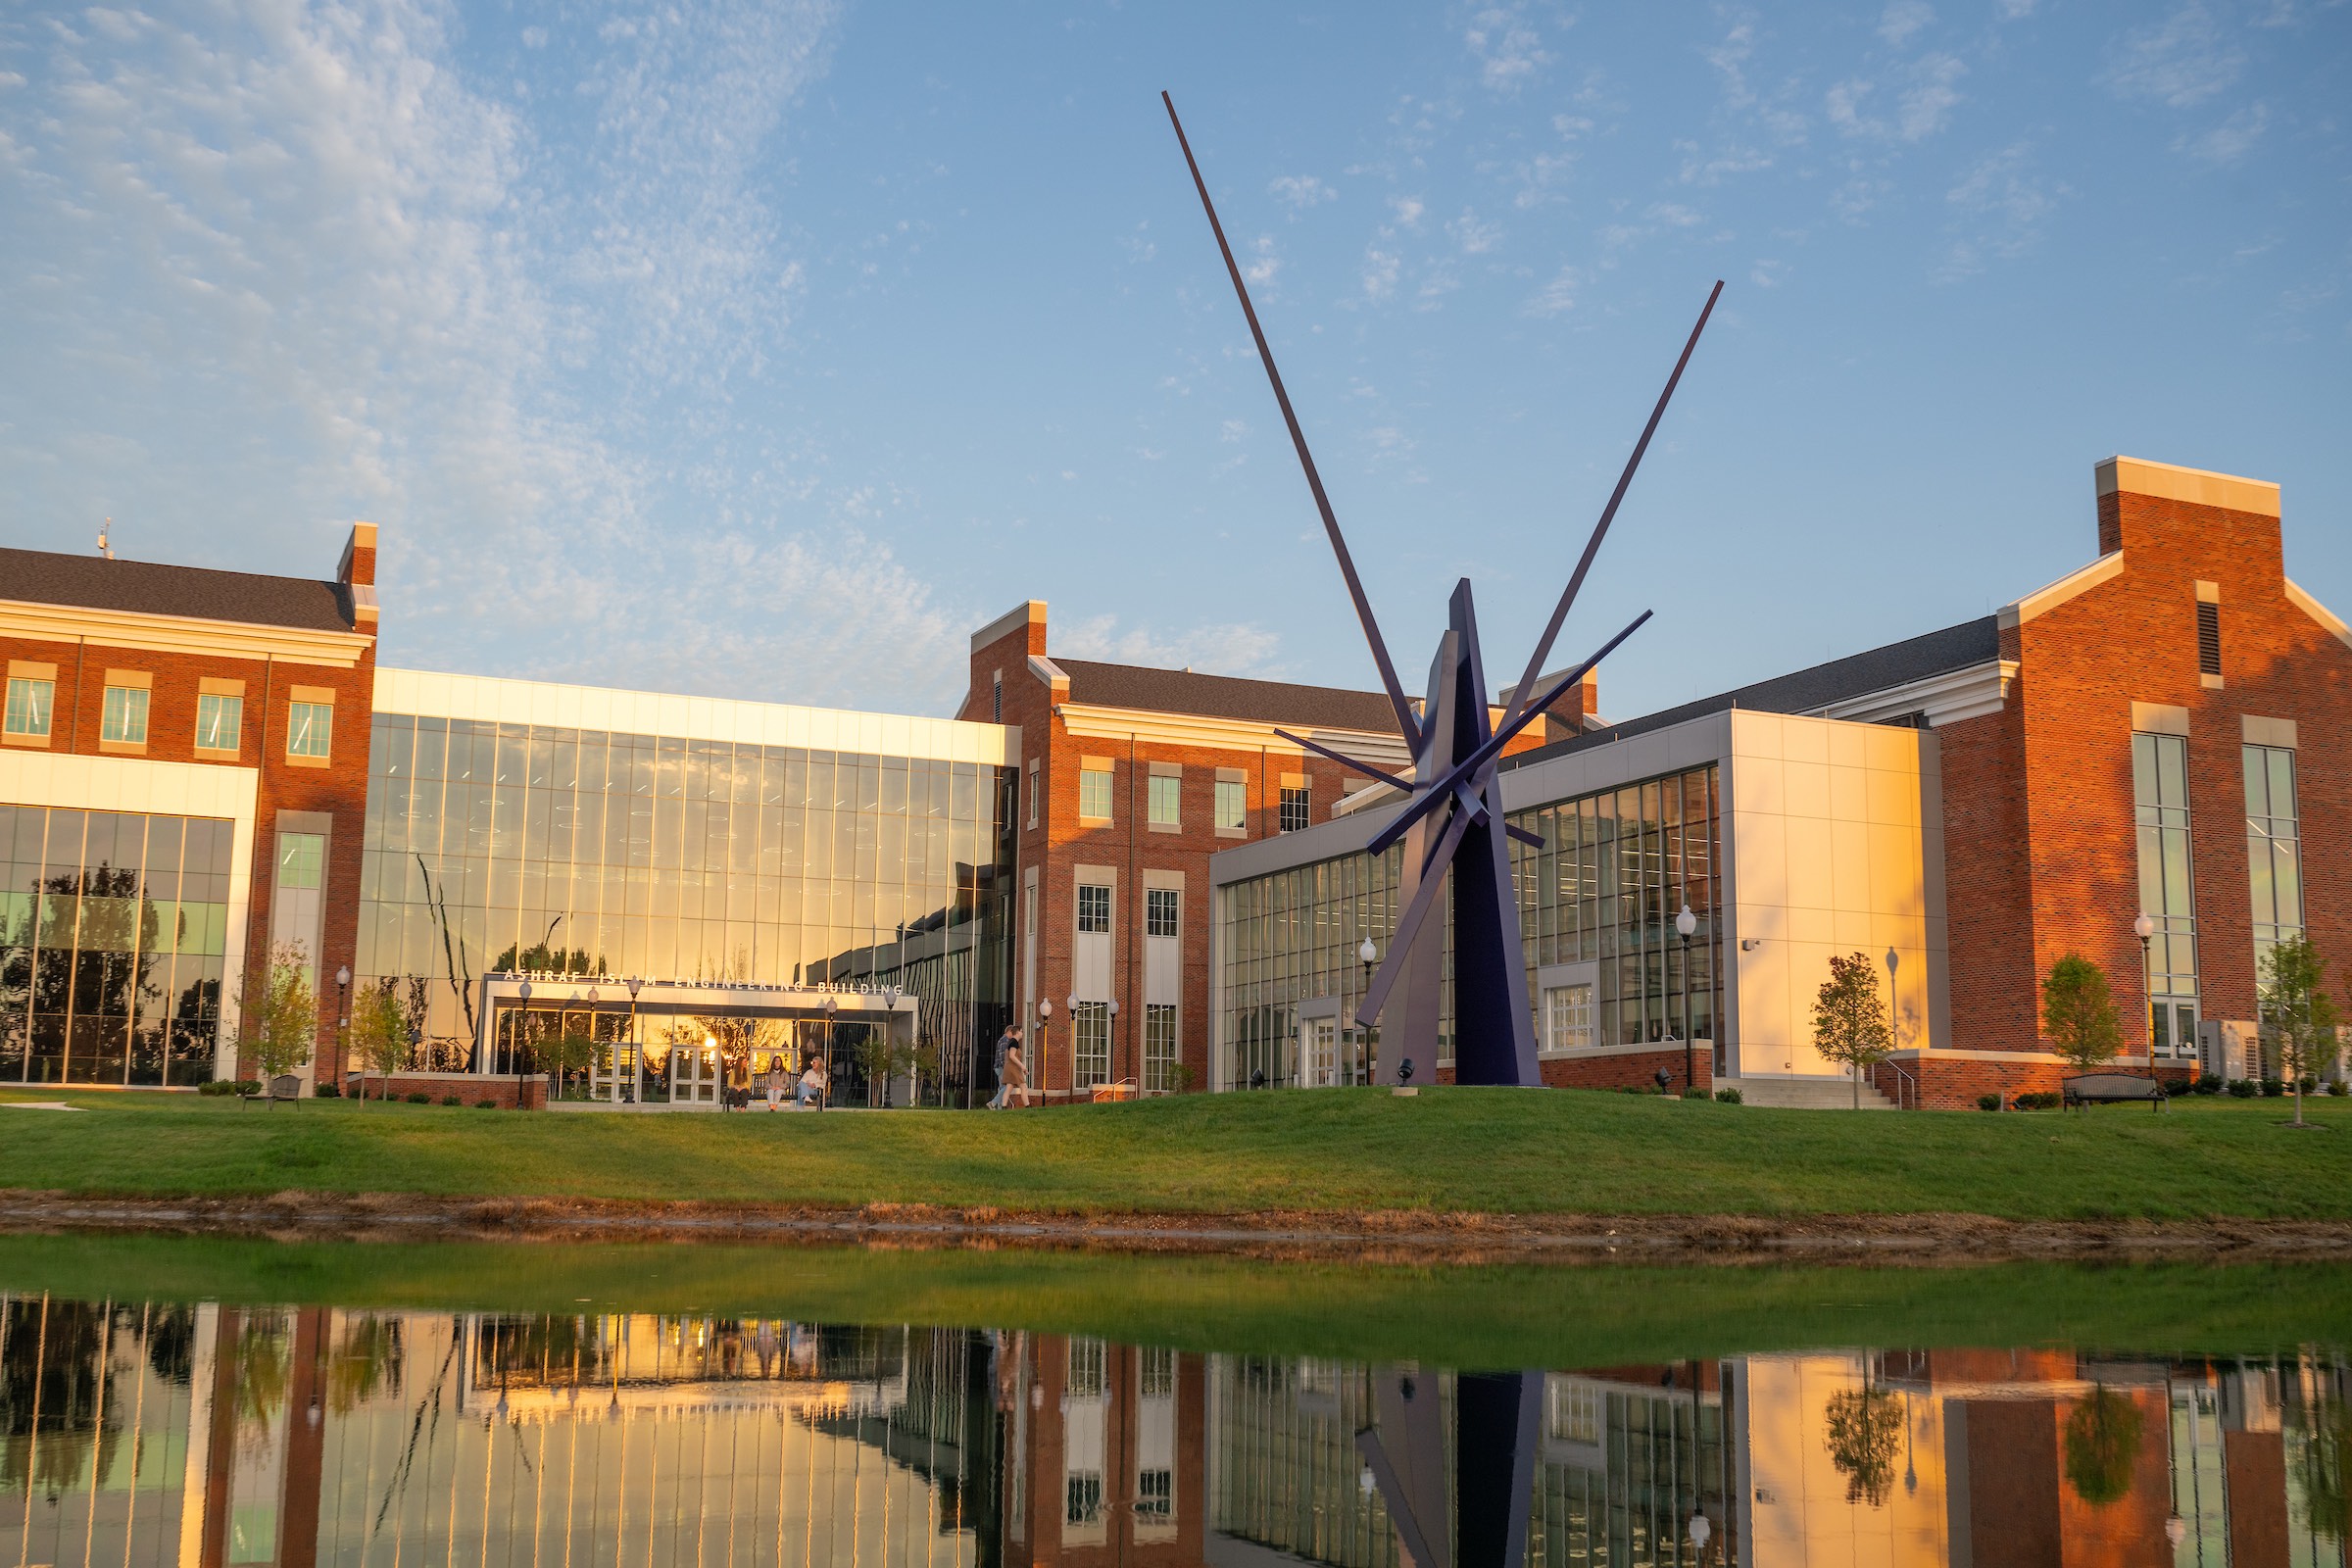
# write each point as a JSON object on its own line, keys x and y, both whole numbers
{"x": 213, "y": 1438}
{"x": 172, "y": 1437}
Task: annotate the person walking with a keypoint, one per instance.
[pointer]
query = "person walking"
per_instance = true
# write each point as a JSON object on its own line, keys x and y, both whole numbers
{"x": 1015, "y": 1076}
{"x": 1008, "y": 1041}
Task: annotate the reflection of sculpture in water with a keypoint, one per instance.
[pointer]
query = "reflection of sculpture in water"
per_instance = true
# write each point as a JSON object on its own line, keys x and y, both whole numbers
{"x": 2102, "y": 1438}
{"x": 1492, "y": 1480}
{"x": 1863, "y": 1425}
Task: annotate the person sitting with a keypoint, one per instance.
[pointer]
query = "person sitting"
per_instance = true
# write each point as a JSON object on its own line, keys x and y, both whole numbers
{"x": 774, "y": 1082}
{"x": 812, "y": 1084}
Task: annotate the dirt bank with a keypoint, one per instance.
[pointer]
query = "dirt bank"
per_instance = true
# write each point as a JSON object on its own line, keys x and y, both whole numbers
{"x": 1387, "y": 1238}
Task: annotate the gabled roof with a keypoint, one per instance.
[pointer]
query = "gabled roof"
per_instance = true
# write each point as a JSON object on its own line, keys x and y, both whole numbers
{"x": 1805, "y": 691}
{"x": 1263, "y": 702}
{"x": 146, "y": 588}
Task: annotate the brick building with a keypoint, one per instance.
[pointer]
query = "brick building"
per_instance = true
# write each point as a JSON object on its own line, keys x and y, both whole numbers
{"x": 1132, "y": 778}
{"x": 184, "y": 778}
{"x": 2160, "y": 733}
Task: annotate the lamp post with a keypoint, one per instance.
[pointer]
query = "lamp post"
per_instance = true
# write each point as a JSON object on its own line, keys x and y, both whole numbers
{"x": 1045, "y": 1046}
{"x": 1687, "y": 923}
{"x": 1366, "y": 954}
{"x": 343, "y": 1021}
{"x": 636, "y": 1049}
{"x": 515, "y": 1051}
{"x": 2145, "y": 928}
{"x": 832, "y": 1007}
{"x": 890, "y": 1030}
{"x": 1070, "y": 1002}
{"x": 416, "y": 1039}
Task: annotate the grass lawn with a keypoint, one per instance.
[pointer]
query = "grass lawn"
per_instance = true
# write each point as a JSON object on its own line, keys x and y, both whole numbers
{"x": 1483, "y": 1315}
{"x": 1494, "y": 1150}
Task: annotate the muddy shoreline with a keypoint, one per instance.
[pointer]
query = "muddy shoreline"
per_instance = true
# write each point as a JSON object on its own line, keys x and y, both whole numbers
{"x": 1412, "y": 1237}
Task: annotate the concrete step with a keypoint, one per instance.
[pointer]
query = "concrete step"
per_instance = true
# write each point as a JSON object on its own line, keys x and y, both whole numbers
{"x": 1805, "y": 1093}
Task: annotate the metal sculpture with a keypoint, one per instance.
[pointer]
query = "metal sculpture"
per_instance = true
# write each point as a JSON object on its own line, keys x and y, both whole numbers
{"x": 1451, "y": 822}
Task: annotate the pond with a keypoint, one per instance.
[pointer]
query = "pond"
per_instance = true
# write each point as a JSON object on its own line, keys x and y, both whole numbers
{"x": 215, "y": 1403}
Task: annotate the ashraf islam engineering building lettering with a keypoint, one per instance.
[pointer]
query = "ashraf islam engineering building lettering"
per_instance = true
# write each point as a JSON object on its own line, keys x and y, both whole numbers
{"x": 200, "y": 768}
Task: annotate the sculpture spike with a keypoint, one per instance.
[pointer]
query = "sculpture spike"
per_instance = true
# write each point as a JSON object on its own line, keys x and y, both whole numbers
{"x": 1307, "y": 459}
{"x": 1608, "y": 514}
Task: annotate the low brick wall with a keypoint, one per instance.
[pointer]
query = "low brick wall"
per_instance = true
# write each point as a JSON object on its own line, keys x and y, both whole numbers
{"x": 1949, "y": 1083}
{"x": 1631, "y": 1069}
{"x": 527, "y": 1092}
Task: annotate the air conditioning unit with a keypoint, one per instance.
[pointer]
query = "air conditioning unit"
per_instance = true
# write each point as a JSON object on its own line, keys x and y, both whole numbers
{"x": 2229, "y": 1047}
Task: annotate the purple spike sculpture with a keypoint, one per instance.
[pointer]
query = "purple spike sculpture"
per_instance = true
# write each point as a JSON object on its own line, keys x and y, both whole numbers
{"x": 1451, "y": 821}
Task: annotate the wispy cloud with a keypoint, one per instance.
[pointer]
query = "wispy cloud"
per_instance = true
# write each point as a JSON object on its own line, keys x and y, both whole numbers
{"x": 1303, "y": 190}
{"x": 1509, "y": 49}
{"x": 2182, "y": 60}
{"x": 2230, "y": 141}
{"x": 1904, "y": 17}
{"x": 1230, "y": 648}
{"x": 2001, "y": 204}
{"x": 1557, "y": 297}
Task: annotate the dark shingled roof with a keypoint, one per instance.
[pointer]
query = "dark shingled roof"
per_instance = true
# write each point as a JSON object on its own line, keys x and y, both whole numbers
{"x": 142, "y": 587}
{"x": 1936, "y": 653}
{"x": 1262, "y": 702}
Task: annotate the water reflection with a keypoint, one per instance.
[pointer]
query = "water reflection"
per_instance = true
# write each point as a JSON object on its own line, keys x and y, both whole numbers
{"x": 148, "y": 1433}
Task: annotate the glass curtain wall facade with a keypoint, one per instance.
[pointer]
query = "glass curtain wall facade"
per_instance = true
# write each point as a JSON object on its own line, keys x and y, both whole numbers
{"x": 112, "y": 926}
{"x": 1615, "y": 869}
{"x": 521, "y": 847}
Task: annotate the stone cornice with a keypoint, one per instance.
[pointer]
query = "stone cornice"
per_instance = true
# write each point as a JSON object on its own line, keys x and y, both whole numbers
{"x": 1944, "y": 699}
{"x": 181, "y": 635}
{"x": 1084, "y": 721}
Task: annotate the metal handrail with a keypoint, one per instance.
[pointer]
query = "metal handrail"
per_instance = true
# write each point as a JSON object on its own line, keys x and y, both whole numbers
{"x": 1905, "y": 1080}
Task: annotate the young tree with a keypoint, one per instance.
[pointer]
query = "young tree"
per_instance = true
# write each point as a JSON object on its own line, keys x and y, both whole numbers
{"x": 565, "y": 1055}
{"x": 379, "y": 1034}
{"x": 279, "y": 1026}
{"x": 2298, "y": 1016}
{"x": 1849, "y": 1022}
{"x": 2078, "y": 1012}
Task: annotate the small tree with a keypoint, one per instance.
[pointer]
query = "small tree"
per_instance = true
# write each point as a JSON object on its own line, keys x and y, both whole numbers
{"x": 566, "y": 1054}
{"x": 2078, "y": 1012}
{"x": 2102, "y": 1440}
{"x": 2298, "y": 1016}
{"x": 279, "y": 1027}
{"x": 1849, "y": 1022}
{"x": 379, "y": 1034}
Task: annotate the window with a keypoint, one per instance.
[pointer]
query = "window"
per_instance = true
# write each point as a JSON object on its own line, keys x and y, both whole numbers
{"x": 1294, "y": 808}
{"x": 1568, "y": 1017}
{"x": 1233, "y": 804}
{"x": 1094, "y": 793}
{"x": 220, "y": 722}
{"x": 1160, "y": 1046}
{"x": 1000, "y": 697}
{"x": 123, "y": 718}
{"x": 1154, "y": 1495}
{"x": 1033, "y": 792}
{"x": 1089, "y": 1043}
{"x": 310, "y": 726}
{"x": 1165, "y": 799}
{"x": 1093, "y": 909}
{"x": 2209, "y": 638}
{"x": 2274, "y": 859}
{"x": 2160, "y": 802}
{"x": 1160, "y": 912}
{"x": 29, "y": 702}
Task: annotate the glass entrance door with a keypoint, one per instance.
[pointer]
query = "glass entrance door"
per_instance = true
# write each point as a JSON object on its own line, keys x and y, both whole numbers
{"x": 1322, "y": 1053}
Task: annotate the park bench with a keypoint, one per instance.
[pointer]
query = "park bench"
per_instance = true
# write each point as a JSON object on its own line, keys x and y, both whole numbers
{"x": 2114, "y": 1088}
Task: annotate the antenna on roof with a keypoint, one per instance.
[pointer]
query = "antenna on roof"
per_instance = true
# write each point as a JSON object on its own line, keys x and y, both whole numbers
{"x": 105, "y": 549}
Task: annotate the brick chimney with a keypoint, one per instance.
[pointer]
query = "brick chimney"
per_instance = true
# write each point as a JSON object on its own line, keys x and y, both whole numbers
{"x": 357, "y": 572}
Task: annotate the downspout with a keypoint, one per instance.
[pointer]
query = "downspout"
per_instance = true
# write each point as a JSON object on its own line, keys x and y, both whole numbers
{"x": 81, "y": 652}
{"x": 1134, "y": 986}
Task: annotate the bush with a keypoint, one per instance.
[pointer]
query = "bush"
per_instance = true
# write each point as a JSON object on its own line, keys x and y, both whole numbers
{"x": 418, "y": 1099}
{"x": 1988, "y": 1102}
{"x": 2338, "y": 1088}
{"x": 485, "y": 1104}
{"x": 2048, "y": 1100}
{"x": 1730, "y": 1097}
{"x": 2272, "y": 1088}
{"x": 1694, "y": 1093}
{"x": 329, "y": 1092}
{"x": 248, "y": 1086}
{"x": 2309, "y": 1082}
{"x": 2243, "y": 1088}
{"x": 217, "y": 1087}
{"x": 2212, "y": 1083}
{"x": 451, "y": 1099}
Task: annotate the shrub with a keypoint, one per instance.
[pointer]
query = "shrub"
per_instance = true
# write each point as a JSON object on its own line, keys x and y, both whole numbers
{"x": 1693, "y": 1092}
{"x": 216, "y": 1087}
{"x": 2338, "y": 1088}
{"x": 2212, "y": 1083}
{"x": 248, "y": 1086}
{"x": 419, "y": 1100}
{"x": 485, "y": 1104}
{"x": 1988, "y": 1102}
{"x": 451, "y": 1099}
{"x": 2048, "y": 1100}
{"x": 2243, "y": 1088}
{"x": 330, "y": 1091}
{"x": 2309, "y": 1082}
{"x": 2272, "y": 1088}
{"x": 1730, "y": 1097}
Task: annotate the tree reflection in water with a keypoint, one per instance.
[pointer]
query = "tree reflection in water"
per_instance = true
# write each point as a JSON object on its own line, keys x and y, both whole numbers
{"x": 1863, "y": 1428}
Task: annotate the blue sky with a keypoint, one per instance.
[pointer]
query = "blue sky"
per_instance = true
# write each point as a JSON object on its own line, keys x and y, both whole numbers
{"x": 762, "y": 349}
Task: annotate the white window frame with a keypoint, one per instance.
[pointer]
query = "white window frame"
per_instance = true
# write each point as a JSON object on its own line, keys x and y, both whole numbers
{"x": 1157, "y": 899}
{"x": 1233, "y": 805}
{"x": 1165, "y": 801}
{"x": 215, "y": 706}
{"x": 1305, "y": 797}
{"x": 310, "y": 730}
{"x": 1085, "y": 888}
{"x": 123, "y": 715}
{"x": 31, "y": 708}
{"x": 1094, "y": 788}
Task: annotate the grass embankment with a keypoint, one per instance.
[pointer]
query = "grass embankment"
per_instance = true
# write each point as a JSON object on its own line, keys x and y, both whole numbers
{"x": 1450, "y": 1150}
{"x": 1477, "y": 1316}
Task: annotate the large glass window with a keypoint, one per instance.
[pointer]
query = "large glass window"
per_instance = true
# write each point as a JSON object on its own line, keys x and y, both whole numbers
{"x": 28, "y": 701}
{"x": 1568, "y": 1017}
{"x": 113, "y": 928}
{"x": 2274, "y": 845}
{"x": 1160, "y": 912}
{"x": 2160, "y": 806}
{"x": 124, "y": 717}
{"x": 1294, "y": 808}
{"x": 1093, "y": 908}
{"x": 1160, "y": 1046}
{"x": 309, "y": 728}
{"x": 1167, "y": 794}
{"x": 220, "y": 722}
{"x": 1094, "y": 793}
{"x": 1089, "y": 1043}
{"x": 1233, "y": 804}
